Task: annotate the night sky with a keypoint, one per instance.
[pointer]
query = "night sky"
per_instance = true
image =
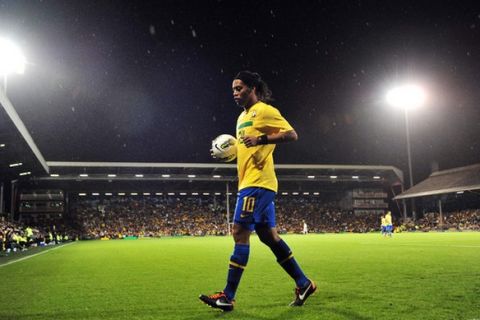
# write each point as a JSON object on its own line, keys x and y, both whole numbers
{"x": 150, "y": 81}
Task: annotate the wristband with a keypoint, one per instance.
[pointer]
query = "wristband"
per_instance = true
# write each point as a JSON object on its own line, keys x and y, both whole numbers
{"x": 263, "y": 139}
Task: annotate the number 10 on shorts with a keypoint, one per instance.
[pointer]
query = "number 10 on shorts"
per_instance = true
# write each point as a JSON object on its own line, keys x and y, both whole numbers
{"x": 248, "y": 204}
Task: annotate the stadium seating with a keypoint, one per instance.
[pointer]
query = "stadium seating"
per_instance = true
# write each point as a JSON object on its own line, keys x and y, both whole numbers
{"x": 128, "y": 216}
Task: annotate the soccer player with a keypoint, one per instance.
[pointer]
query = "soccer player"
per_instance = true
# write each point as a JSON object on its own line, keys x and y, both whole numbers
{"x": 259, "y": 128}
{"x": 383, "y": 226}
{"x": 388, "y": 221}
{"x": 305, "y": 227}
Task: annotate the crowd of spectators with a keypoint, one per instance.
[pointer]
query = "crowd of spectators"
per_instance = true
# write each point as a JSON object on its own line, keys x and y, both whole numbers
{"x": 19, "y": 236}
{"x": 465, "y": 220}
{"x": 119, "y": 217}
{"x": 321, "y": 217}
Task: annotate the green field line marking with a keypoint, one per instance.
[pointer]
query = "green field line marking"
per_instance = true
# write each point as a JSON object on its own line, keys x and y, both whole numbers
{"x": 36, "y": 254}
{"x": 438, "y": 245}
{"x": 423, "y": 245}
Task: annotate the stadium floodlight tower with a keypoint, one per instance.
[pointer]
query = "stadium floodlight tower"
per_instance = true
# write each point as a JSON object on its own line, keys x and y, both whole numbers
{"x": 407, "y": 97}
{"x": 12, "y": 60}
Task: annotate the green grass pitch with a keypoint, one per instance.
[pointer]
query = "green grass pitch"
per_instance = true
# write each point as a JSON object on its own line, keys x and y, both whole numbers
{"x": 360, "y": 276}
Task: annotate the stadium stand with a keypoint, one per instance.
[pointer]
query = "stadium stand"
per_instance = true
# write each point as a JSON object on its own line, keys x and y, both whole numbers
{"x": 465, "y": 220}
{"x": 447, "y": 181}
{"x": 119, "y": 217}
{"x": 16, "y": 236}
{"x": 362, "y": 194}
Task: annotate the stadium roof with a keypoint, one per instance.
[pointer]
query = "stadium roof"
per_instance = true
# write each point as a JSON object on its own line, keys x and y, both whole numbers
{"x": 18, "y": 153}
{"x": 447, "y": 181}
{"x": 193, "y": 177}
{"x": 65, "y": 170}
{"x": 20, "y": 148}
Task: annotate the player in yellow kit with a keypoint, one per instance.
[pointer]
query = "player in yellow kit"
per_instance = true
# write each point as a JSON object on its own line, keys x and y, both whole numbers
{"x": 388, "y": 222}
{"x": 259, "y": 128}
{"x": 383, "y": 225}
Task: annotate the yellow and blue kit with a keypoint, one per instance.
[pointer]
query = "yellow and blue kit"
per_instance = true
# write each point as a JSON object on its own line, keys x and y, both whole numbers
{"x": 388, "y": 221}
{"x": 383, "y": 225}
{"x": 257, "y": 182}
{"x": 255, "y": 164}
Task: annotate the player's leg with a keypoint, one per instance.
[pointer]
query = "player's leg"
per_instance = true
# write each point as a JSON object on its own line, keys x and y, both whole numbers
{"x": 224, "y": 300}
{"x": 238, "y": 260}
{"x": 283, "y": 253}
{"x": 304, "y": 286}
{"x": 242, "y": 230}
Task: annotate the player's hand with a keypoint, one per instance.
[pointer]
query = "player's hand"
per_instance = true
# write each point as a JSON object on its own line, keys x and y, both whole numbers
{"x": 250, "y": 141}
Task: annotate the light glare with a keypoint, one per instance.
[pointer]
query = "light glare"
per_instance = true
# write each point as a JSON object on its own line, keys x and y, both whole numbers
{"x": 408, "y": 96}
{"x": 11, "y": 58}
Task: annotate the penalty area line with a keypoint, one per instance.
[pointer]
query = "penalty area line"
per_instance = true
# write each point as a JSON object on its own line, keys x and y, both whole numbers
{"x": 36, "y": 254}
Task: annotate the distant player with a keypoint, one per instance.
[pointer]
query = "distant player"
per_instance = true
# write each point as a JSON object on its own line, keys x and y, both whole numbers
{"x": 305, "y": 227}
{"x": 383, "y": 225}
{"x": 259, "y": 128}
{"x": 389, "y": 225}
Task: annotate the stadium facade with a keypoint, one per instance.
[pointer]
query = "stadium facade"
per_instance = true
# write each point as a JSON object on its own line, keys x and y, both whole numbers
{"x": 31, "y": 184}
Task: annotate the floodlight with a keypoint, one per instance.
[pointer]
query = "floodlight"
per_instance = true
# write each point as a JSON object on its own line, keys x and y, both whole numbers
{"x": 408, "y": 96}
{"x": 12, "y": 59}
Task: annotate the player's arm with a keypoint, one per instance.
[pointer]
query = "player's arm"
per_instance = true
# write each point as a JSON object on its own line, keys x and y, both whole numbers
{"x": 274, "y": 138}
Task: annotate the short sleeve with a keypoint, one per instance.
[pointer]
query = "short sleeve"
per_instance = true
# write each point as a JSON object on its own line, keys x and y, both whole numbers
{"x": 272, "y": 119}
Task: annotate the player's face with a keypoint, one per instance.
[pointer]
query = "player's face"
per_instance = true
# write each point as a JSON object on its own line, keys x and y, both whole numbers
{"x": 242, "y": 94}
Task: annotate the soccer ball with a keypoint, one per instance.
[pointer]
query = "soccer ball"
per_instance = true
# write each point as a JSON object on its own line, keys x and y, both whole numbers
{"x": 224, "y": 148}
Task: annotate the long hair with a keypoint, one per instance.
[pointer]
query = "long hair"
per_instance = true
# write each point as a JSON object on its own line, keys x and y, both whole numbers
{"x": 254, "y": 80}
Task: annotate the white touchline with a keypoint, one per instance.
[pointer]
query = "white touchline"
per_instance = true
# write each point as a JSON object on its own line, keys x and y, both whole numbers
{"x": 426, "y": 245}
{"x": 438, "y": 245}
{"x": 36, "y": 254}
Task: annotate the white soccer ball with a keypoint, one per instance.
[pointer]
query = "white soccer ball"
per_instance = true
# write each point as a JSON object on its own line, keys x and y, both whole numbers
{"x": 224, "y": 148}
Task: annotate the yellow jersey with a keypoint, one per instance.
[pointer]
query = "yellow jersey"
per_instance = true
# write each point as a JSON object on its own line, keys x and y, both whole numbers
{"x": 255, "y": 164}
{"x": 388, "y": 218}
{"x": 384, "y": 222}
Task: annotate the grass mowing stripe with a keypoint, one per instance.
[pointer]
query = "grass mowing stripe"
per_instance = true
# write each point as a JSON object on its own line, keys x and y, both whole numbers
{"x": 161, "y": 279}
{"x": 34, "y": 255}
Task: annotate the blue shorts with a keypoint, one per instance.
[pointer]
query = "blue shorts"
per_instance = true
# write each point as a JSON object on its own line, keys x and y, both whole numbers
{"x": 389, "y": 228}
{"x": 255, "y": 207}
